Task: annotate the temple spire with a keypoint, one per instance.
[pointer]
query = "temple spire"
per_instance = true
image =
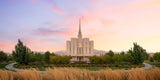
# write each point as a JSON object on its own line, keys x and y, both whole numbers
{"x": 79, "y": 33}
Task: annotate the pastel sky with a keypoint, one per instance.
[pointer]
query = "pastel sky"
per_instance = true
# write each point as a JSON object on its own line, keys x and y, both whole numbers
{"x": 45, "y": 25}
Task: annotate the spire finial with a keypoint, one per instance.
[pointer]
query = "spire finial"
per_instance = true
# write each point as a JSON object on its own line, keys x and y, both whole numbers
{"x": 79, "y": 33}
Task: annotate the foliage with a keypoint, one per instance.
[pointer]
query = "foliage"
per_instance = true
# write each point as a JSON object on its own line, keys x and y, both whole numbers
{"x": 122, "y": 53}
{"x": 157, "y": 64}
{"x": 138, "y": 53}
{"x": 110, "y": 53}
{"x": 21, "y": 53}
{"x": 60, "y": 59}
{"x": 53, "y": 54}
{"x": 55, "y": 59}
{"x": 156, "y": 56}
{"x": 47, "y": 56}
{"x": 3, "y": 64}
{"x": 151, "y": 59}
{"x": 117, "y": 58}
{"x": 96, "y": 59}
{"x": 3, "y": 56}
{"x": 107, "y": 59}
{"x": 10, "y": 58}
{"x": 32, "y": 57}
{"x": 128, "y": 57}
{"x": 40, "y": 57}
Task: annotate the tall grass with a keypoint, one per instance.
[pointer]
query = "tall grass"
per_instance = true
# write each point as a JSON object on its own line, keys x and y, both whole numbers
{"x": 81, "y": 74}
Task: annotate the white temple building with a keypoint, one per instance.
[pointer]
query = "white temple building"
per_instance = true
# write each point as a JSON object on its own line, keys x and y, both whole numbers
{"x": 80, "y": 49}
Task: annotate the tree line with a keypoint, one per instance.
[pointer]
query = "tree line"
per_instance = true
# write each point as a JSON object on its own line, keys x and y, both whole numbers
{"x": 23, "y": 55}
{"x": 135, "y": 55}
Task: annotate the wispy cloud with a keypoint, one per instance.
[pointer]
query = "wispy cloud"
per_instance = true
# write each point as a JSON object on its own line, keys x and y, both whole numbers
{"x": 51, "y": 4}
{"x": 34, "y": 1}
{"x": 13, "y": 0}
{"x": 50, "y": 31}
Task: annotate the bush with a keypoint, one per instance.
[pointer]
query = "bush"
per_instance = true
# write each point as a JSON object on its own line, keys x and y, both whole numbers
{"x": 151, "y": 59}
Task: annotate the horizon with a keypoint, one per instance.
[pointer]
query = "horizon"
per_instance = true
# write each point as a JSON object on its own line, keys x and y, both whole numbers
{"x": 111, "y": 24}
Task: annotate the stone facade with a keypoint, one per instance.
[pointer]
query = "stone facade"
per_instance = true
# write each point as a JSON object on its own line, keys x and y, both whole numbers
{"x": 80, "y": 49}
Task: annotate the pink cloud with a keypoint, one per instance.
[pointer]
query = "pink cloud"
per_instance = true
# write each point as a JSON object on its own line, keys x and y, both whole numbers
{"x": 13, "y": 0}
{"x": 34, "y": 1}
{"x": 7, "y": 46}
{"x": 54, "y": 8}
{"x": 50, "y": 31}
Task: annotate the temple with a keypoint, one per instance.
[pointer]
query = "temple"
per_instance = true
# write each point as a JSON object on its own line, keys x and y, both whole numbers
{"x": 80, "y": 49}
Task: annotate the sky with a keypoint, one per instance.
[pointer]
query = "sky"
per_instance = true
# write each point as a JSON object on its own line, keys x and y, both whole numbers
{"x": 46, "y": 25}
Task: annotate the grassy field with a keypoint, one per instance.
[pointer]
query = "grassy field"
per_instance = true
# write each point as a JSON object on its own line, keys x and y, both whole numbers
{"x": 81, "y": 74}
{"x": 89, "y": 68}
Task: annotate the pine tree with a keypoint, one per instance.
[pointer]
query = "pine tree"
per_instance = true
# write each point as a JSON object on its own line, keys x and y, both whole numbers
{"x": 21, "y": 53}
{"x": 138, "y": 54}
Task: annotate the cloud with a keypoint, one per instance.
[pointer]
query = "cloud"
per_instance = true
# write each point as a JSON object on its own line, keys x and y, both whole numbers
{"x": 13, "y": 0}
{"x": 50, "y": 31}
{"x": 53, "y": 6}
{"x": 6, "y": 46}
{"x": 34, "y": 1}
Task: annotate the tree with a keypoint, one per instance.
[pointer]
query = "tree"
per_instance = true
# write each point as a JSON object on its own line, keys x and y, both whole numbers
{"x": 128, "y": 57}
{"x": 53, "y": 54}
{"x": 96, "y": 59}
{"x": 21, "y": 53}
{"x": 110, "y": 53}
{"x": 47, "y": 57}
{"x": 65, "y": 59}
{"x": 107, "y": 59}
{"x": 151, "y": 59}
{"x": 117, "y": 58}
{"x": 9, "y": 58}
{"x": 55, "y": 59}
{"x": 32, "y": 57}
{"x": 156, "y": 56}
{"x": 146, "y": 56}
{"x": 40, "y": 57}
{"x": 3, "y": 56}
{"x": 137, "y": 53}
{"x": 122, "y": 53}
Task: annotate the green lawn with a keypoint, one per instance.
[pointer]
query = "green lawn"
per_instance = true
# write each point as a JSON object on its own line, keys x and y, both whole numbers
{"x": 157, "y": 64}
{"x": 3, "y": 64}
{"x": 89, "y": 68}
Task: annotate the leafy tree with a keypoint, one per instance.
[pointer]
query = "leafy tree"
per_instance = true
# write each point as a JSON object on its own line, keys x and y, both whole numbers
{"x": 156, "y": 56}
{"x": 110, "y": 53}
{"x": 128, "y": 57}
{"x": 47, "y": 57}
{"x": 32, "y": 58}
{"x": 55, "y": 59}
{"x": 107, "y": 59}
{"x": 21, "y": 53}
{"x": 3, "y": 56}
{"x": 146, "y": 56}
{"x": 53, "y": 54}
{"x": 117, "y": 58}
{"x": 65, "y": 59}
{"x": 137, "y": 53}
{"x": 151, "y": 59}
{"x": 96, "y": 59}
{"x": 122, "y": 53}
{"x": 10, "y": 58}
{"x": 40, "y": 57}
